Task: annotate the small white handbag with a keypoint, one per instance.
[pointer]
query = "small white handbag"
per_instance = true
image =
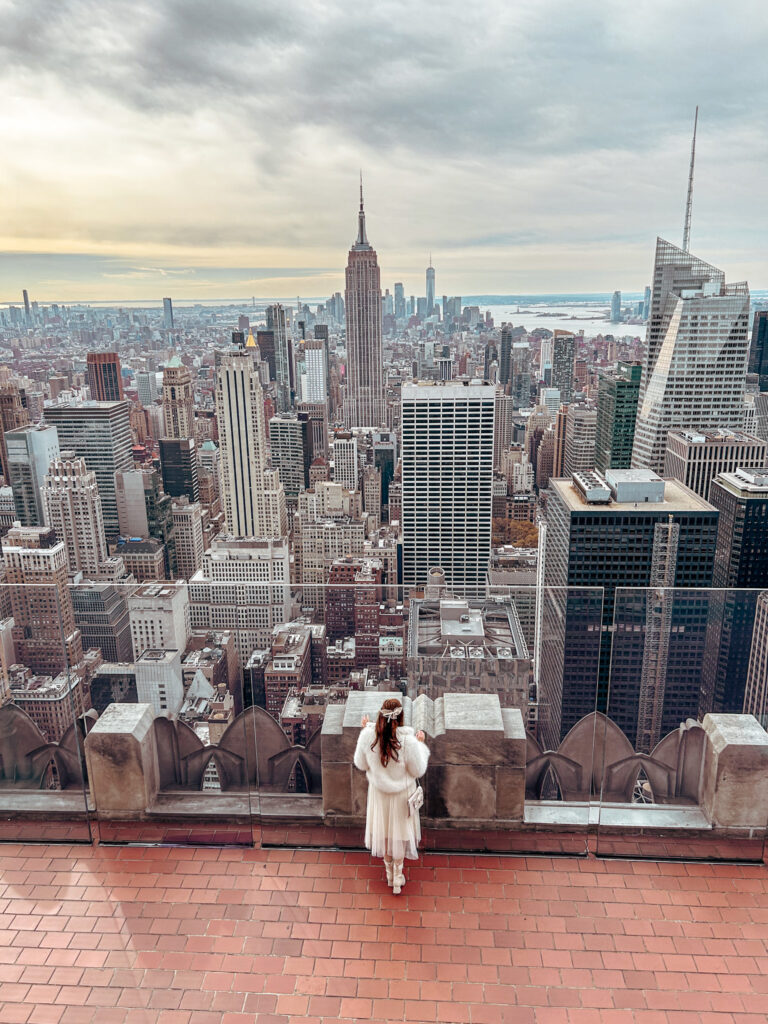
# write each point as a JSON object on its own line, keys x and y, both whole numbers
{"x": 415, "y": 800}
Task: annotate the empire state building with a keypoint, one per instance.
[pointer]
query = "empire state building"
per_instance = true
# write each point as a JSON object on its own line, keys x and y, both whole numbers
{"x": 365, "y": 406}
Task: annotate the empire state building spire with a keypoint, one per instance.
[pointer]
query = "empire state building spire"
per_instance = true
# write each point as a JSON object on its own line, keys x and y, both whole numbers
{"x": 365, "y": 405}
{"x": 362, "y": 238}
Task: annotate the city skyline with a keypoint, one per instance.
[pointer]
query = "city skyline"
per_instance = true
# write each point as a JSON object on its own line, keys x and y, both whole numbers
{"x": 588, "y": 168}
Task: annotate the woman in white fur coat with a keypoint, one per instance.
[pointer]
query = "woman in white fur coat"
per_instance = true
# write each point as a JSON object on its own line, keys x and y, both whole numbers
{"x": 392, "y": 757}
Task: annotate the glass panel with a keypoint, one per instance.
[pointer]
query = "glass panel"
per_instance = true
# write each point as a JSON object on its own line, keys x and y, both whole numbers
{"x": 323, "y": 642}
{"x": 538, "y": 650}
{"x": 44, "y": 699}
{"x": 168, "y": 685}
{"x": 678, "y": 656}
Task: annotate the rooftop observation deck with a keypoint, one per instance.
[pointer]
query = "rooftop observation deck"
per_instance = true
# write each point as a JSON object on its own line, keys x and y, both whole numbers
{"x": 132, "y": 935}
{"x": 104, "y": 927}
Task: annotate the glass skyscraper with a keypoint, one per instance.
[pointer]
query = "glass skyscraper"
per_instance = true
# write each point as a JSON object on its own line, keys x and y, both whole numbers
{"x": 696, "y": 353}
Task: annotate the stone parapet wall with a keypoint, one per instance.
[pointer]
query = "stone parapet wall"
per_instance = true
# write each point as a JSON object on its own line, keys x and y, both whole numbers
{"x": 709, "y": 781}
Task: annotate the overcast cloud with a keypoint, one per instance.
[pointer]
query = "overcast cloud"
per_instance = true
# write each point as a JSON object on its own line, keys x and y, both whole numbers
{"x": 531, "y": 146}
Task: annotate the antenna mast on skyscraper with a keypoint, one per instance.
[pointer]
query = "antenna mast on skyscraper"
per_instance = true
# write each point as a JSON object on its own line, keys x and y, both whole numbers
{"x": 689, "y": 203}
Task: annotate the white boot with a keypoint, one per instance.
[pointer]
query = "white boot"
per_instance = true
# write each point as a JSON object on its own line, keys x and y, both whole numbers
{"x": 398, "y": 878}
{"x": 389, "y": 868}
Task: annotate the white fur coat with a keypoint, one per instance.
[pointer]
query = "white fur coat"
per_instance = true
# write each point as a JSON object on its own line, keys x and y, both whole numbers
{"x": 413, "y": 757}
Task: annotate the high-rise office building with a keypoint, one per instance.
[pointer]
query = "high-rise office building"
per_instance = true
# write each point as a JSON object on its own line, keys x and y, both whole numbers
{"x": 431, "y": 309}
{"x": 101, "y": 615}
{"x": 290, "y": 446}
{"x": 756, "y": 690}
{"x": 646, "y": 302}
{"x": 73, "y": 510}
{"x": 520, "y": 380}
{"x": 372, "y": 494}
{"x": 317, "y": 417}
{"x": 695, "y": 457}
{"x": 210, "y": 462}
{"x": 491, "y": 362}
{"x": 145, "y": 512}
{"x": 550, "y": 399}
{"x": 131, "y": 506}
{"x": 447, "y": 483}
{"x": 563, "y": 352}
{"x": 27, "y": 313}
{"x": 179, "y": 466}
{"x": 243, "y": 586}
{"x": 606, "y": 540}
{"x": 741, "y": 564}
{"x": 545, "y": 360}
{"x": 617, "y": 393}
{"x": 758, "y": 349}
{"x": 168, "y": 314}
{"x": 696, "y": 353}
{"x": 558, "y": 455}
{"x": 321, "y": 334}
{"x": 346, "y": 469}
{"x": 315, "y": 388}
{"x": 105, "y": 378}
{"x": 399, "y": 301}
{"x": 100, "y": 433}
{"x": 12, "y": 414}
{"x": 385, "y": 459}
{"x": 580, "y": 436}
{"x": 505, "y": 356}
{"x": 178, "y": 399}
{"x": 616, "y": 307}
{"x": 30, "y": 451}
{"x": 252, "y": 495}
{"x": 44, "y": 633}
{"x": 266, "y": 344}
{"x": 277, "y": 324}
{"x": 503, "y": 425}
{"x": 761, "y": 415}
{"x": 319, "y": 540}
{"x": 365, "y": 370}
{"x": 146, "y": 386}
{"x": 188, "y": 531}
{"x": 160, "y": 618}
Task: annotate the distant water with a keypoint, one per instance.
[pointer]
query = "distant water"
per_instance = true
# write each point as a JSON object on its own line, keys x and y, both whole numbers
{"x": 591, "y": 317}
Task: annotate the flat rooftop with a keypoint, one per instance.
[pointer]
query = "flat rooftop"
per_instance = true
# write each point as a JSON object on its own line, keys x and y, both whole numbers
{"x": 719, "y": 435}
{"x": 749, "y": 482}
{"x": 677, "y": 498}
{"x": 438, "y": 390}
{"x": 196, "y": 935}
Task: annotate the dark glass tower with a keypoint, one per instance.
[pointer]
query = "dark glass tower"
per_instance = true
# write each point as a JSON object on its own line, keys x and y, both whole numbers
{"x": 741, "y": 563}
{"x": 758, "y": 351}
{"x": 617, "y": 394}
{"x": 178, "y": 464}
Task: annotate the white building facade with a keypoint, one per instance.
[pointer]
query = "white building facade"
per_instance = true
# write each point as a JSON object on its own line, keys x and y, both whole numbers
{"x": 447, "y": 482}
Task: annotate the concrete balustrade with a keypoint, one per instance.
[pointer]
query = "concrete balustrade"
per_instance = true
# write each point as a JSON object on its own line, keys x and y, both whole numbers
{"x": 475, "y": 780}
{"x": 121, "y": 757}
{"x": 735, "y": 777}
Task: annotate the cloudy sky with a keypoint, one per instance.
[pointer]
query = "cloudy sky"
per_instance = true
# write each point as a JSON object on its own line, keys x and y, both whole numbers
{"x": 210, "y": 148}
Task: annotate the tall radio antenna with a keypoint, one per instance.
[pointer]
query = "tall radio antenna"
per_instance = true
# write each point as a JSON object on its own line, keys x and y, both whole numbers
{"x": 689, "y": 203}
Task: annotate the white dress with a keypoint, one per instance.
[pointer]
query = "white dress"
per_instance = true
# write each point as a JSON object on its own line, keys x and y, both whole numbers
{"x": 390, "y": 831}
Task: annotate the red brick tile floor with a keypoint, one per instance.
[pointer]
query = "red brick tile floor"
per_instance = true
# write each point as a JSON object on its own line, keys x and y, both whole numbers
{"x": 223, "y": 936}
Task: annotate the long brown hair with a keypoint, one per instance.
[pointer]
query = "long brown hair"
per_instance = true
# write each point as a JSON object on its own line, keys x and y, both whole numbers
{"x": 386, "y": 732}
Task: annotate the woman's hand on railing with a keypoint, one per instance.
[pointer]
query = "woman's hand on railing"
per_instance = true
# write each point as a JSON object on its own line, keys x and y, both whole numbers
{"x": 420, "y": 736}
{"x": 365, "y": 721}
